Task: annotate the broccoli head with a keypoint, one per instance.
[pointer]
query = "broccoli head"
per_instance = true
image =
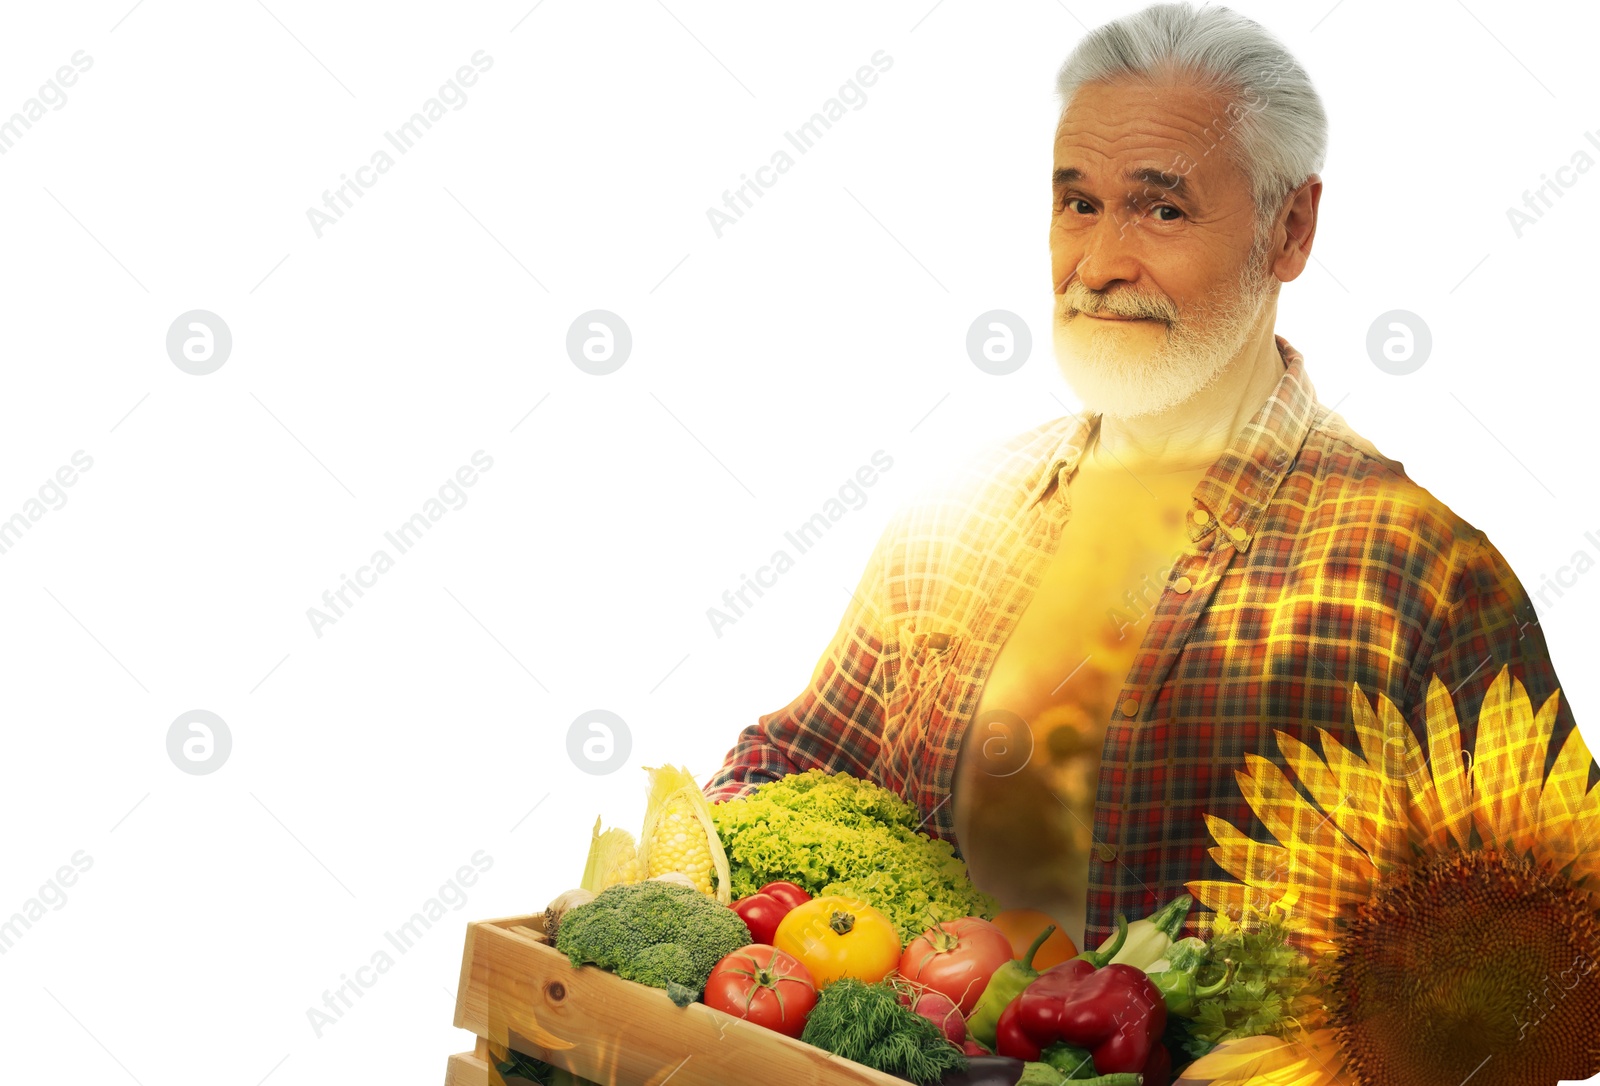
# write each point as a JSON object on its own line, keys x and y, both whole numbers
{"x": 657, "y": 933}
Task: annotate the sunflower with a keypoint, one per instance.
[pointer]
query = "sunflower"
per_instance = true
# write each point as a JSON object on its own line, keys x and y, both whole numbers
{"x": 1449, "y": 903}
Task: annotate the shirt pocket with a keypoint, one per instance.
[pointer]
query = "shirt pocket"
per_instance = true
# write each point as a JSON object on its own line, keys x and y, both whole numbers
{"x": 922, "y": 669}
{"x": 921, "y": 666}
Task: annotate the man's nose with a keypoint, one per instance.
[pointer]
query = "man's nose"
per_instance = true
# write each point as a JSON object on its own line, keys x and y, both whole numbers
{"x": 1107, "y": 257}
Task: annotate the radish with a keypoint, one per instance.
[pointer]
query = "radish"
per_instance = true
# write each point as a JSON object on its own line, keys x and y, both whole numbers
{"x": 939, "y": 1009}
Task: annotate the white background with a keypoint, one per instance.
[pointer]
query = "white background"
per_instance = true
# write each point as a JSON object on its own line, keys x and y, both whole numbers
{"x": 426, "y": 723}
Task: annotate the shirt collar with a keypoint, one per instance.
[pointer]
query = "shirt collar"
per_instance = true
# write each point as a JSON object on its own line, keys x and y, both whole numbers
{"x": 1238, "y": 485}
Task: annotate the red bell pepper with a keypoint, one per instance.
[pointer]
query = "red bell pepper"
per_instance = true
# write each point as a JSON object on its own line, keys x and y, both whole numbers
{"x": 1158, "y": 1068}
{"x": 1116, "y": 1013}
{"x": 765, "y": 909}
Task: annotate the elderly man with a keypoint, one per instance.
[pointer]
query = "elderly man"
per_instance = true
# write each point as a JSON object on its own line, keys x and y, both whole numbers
{"x": 1063, "y": 657}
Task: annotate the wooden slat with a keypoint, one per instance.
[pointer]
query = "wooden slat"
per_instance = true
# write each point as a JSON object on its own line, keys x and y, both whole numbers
{"x": 525, "y": 995}
{"x": 533, "y": 920}
{"x": 466, "y": 1069}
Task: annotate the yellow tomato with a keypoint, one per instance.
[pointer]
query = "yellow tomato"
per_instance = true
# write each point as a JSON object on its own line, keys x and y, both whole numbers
{"x": 838, "y": 936}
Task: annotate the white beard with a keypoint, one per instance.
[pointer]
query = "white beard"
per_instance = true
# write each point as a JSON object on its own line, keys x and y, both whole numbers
{"x": 1112, "y": 376}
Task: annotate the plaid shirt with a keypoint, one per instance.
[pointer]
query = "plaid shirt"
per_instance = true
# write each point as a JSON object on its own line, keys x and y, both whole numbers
{"x": 1314, "y": 563}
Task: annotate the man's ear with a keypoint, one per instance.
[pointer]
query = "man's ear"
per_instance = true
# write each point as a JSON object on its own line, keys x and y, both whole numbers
{"x": 1295, "y": 228}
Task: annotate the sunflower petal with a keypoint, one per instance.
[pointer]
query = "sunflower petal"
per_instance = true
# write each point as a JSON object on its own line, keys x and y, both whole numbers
{"x": 1586, "y": 869}
{"x": 1424, "y": 813}
{"x": 1387, "y": 767}
{"x": 1310, "y": 770}
{"x": 1219, "y": 896}
{"x": 1530, "y": 733}
{"x": 1368, "y": 731}
{"x": 1491, "y": 763}
{"x": 1325, "y": 788}
{"x": 1587, "y": 824}
{"x": 1325, "y": 870}
{"x": 1377, "y": 800}
{"x": 1449, "y": 772}
{"x": 1556, "y": 839}
{"x": 1255, "y": 863}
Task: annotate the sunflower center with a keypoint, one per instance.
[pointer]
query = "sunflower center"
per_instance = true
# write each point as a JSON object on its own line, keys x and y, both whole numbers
{"x": 1471, "y": 964}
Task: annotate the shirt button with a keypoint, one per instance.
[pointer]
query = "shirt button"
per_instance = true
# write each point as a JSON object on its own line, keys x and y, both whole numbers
{"x": 1130, "y": 706}
{"x": 1182, "y": 584}
{"x": 1200, "y": 516}
{"x": 1238, "y": 531}
{"x": 1106, "y": 852}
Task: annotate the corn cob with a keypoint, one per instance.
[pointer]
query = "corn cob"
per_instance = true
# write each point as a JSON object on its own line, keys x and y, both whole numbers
{"x": 679, "y": 834}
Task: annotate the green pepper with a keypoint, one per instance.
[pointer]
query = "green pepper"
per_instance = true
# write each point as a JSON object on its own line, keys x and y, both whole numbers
{"x": 1005, "y": 984}
{"x": 1180, "y": 987}
{"x": 1010, "y": 979}
{"x": 1108, "y": 949}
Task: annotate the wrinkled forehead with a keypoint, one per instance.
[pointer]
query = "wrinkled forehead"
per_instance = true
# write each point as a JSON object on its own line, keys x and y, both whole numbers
{"x": 1134, "y": 134}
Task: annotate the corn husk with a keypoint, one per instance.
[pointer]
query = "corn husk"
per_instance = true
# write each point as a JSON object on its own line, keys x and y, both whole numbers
{"x": 613, "y": 860}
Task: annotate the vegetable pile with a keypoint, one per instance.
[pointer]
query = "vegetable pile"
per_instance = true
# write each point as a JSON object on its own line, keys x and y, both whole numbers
{"x": 836, "y": 834}
{"x": 813, "y": 908}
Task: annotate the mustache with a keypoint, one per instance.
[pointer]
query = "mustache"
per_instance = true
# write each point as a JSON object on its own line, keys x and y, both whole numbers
{"x": 1080, "y": 298}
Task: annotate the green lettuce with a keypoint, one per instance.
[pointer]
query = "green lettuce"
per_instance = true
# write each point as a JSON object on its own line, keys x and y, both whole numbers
{"x": 832, "y": 833}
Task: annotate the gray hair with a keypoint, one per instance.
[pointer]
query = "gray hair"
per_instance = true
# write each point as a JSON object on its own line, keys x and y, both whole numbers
{"x": 1281, "y": 129}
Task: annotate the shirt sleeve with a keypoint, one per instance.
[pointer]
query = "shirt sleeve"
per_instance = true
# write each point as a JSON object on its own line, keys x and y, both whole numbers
{"x": 1489, "y": 623}
{"x": 836, "y": 722}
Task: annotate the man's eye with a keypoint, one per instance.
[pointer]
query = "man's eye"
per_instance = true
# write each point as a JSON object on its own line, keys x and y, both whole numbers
{"x": 1068, "y": 204}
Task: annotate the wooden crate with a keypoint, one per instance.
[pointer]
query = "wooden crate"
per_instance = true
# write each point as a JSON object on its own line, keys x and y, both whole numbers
{"x": 519, "y": 992}
{"x": 470, "y": 1068}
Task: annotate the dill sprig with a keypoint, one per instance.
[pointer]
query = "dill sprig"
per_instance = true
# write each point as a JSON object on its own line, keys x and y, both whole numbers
{"x": 867, "y": 1023}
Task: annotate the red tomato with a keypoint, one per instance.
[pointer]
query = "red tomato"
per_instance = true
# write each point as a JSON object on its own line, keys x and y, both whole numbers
{"x": 787, "y": 892}
{"x": 761, "y": 913}
{"x": 957, "y": 958}
{"x": 762, "y": 984}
